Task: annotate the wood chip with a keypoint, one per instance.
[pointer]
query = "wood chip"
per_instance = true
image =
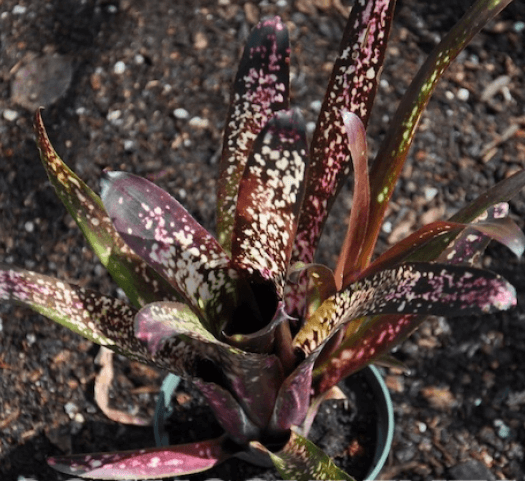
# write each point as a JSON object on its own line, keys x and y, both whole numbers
{"x": 102, "y": 385}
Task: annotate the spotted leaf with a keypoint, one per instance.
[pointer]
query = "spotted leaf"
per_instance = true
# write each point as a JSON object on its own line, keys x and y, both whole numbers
{"x": 165, "y": 235}
{"x": 412, "y": 288}
{"x": 178, "y": 342}
{"x": 140, "y": 283}
{"x": 367, "y": 339}
{"x": 394, "y": 148}
{"x": 269, "y": 201}
{"x": 261, "y": 88}
{"x": 302, "y": 460}
{"x": 149, "y": 463}
{"x": 104, "y": 320}
{"x": 352, "y": 87}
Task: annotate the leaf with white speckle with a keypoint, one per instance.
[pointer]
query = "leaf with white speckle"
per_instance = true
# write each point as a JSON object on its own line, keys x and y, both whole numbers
{"x": 394, "y": 148}
{"x": 270, "y": 196}
{"x": 140, "y": 283}
{"x": 148, "y": 463}
{"x": 171, "y": 241}
{"x": 352, "y": 87}
{"x": 104, "y": 320}
{"x": 261, "y": 88}
{"x": 412, "y": 288}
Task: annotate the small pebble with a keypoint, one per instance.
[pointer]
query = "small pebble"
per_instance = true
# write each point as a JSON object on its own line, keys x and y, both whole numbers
{"x": 19, "y": 10}
{"x": 31, "y": 338}
{"x": 310, "y": 127}
{"x": 519, "y": 27}
{"x": 119, "y": 67}
{"x": 430, "y": 193}
{"x": 71, "y": 409}
{"x": 181, "y": 114}
{"x": 316, "y": 105}
{"x": 114, "y": 115}
{"x": 463, "y": 94}
{"x": 199, "y": 122}
{"x": 10, "y": 115}
{"x": 29, "y": 226}
{"x": 503, "y": 429}
{"x": 129, "y": 145}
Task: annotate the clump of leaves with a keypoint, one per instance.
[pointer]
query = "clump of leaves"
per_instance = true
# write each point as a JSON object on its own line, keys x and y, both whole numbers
{"x": 262, "y": 330}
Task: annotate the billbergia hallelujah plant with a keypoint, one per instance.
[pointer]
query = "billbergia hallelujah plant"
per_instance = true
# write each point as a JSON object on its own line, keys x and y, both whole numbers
{"x": 247, "y": 315}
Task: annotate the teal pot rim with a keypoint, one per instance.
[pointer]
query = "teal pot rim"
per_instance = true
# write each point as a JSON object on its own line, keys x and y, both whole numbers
{"x": 385, "y": 416}
{"x": 385, "y": 420}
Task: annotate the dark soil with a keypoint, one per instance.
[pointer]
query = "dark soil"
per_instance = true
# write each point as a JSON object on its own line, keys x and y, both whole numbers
{"x": 125, "y": 68}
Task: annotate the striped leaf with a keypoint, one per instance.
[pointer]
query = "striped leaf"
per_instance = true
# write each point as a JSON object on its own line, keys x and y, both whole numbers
{"x": 394, "y": 148}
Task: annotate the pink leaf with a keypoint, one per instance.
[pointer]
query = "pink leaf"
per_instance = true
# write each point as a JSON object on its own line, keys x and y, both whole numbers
{"x": 145, "y": 463}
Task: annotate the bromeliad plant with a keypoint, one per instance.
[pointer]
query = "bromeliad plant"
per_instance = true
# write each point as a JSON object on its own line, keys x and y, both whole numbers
{"x": 263, "y": 331}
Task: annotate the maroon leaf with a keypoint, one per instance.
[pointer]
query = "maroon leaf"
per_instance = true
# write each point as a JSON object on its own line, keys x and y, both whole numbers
{"x": 228, "y": 412}
{"x": 293, "y": 398}
{"x": 352, "y": 87}
{"x": 415, "y": 288}
{"x": 145, "y": 463}
{"x": 350, "y": 262}
{"x": 164, "y": 234}
{"x": 394, "y": 148}
{"x": 261, "y": 88}
{"x": 179, "y": 343}
{"x": 269, "y": 200}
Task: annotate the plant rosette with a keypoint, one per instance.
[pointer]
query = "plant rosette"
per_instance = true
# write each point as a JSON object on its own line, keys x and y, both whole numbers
{"x": 261, "y": 330}
{"x": 368, "y": 421}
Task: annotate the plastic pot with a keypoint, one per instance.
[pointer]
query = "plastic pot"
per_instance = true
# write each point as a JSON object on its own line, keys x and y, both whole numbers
{"x": 385, "y": 416}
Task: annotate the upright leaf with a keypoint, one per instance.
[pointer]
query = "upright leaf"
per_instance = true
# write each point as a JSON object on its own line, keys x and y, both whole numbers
{"x": 350, "y": 262}
{"x": 352, "y": 87}
{"x": 261, "y": 88}
{"x": 394, "y": 148}
{"x": 270, "y": 196}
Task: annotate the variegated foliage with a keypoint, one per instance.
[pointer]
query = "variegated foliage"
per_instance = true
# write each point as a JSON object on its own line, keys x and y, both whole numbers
{"x": 261, "y": 330}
